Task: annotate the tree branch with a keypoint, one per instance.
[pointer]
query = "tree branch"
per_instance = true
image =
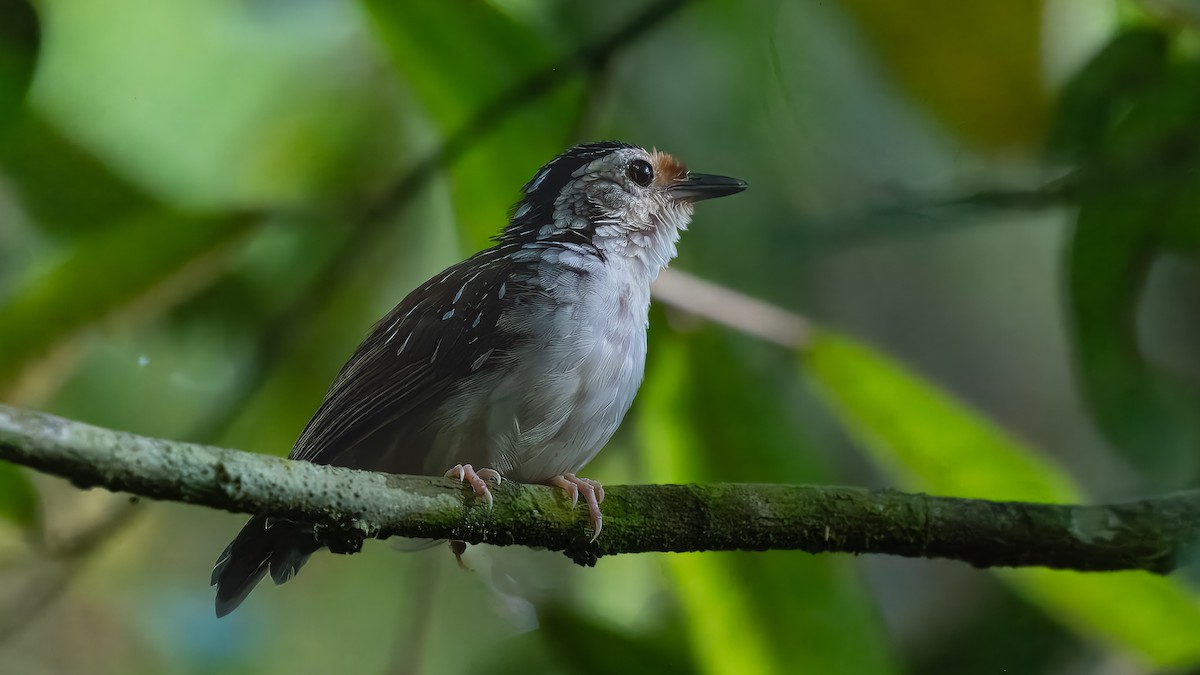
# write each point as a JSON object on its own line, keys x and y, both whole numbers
{"x": 349, "y": 506}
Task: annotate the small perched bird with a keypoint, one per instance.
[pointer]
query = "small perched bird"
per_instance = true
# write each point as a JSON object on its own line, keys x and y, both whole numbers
{"x": 518, "y": 362}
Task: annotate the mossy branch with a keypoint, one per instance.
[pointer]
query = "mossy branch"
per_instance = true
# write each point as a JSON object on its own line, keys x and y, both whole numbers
{"x": 350, "y": 506}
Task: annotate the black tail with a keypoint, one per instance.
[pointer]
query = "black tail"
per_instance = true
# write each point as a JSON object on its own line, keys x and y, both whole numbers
{"x": 264, "y": 543}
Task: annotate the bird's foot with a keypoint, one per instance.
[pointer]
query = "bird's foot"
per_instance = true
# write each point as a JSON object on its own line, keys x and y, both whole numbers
{"x": 592, "y": 492}
{"x": 478, "y": 480}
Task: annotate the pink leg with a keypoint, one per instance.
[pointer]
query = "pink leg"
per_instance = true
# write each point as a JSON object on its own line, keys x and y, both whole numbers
{"x": 478, "y": 480}
{"x": 593, "y": 494}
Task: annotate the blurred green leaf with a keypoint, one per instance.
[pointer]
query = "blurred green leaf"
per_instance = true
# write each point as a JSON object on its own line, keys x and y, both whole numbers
{"x": 64, "y": 188}
{"x": 1157, "y": 618}
{"x": 458, "y": 57}
{"x": 213, "y": 106}
{"x": 1006, "y": 634}
{"x": 936, "y": 444}
{"x": 457, "y": 54}
{"x": 1148, "y": 416}
{"x": 588, "y": 647}
{"x": 1154, "y": 136}
{"x": 20, "y": 38}
{"x": 1101, "y": 92}
{"x": 976, "y": 66}
{"x": 1132, "y": 118}
{"x": 704, "y": 416}
{"x": 101, "y": 274}
{"x": 398, "y": 260}
{"x": 1180, "y": 226}
{"x": 18, "y": 498}
{"x": 923, "y": 436}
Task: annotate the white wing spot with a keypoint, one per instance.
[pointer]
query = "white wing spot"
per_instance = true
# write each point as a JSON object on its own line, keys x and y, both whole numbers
{"x": 459, "y": 293}
{"x": 435, "y": 352}
{"x": 475, "y": 323}
{"x": 480, "y": 361}
{"x": 394, "y": 329}
{"x": 447, "y": 315}
{"x": 521, "y": 211}
{"x": 399, "y": 351}
{"x": 503, "y": 288}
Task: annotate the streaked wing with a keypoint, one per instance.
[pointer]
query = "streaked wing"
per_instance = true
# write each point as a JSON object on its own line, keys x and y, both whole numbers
{"x": 439, "y": 334}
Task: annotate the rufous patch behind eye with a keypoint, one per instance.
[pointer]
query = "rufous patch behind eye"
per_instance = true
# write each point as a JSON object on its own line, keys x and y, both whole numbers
{"x": 667, "y": 169}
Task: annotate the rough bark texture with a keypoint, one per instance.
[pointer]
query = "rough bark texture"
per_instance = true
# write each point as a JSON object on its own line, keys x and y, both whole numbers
{"x": 350, "y": 506}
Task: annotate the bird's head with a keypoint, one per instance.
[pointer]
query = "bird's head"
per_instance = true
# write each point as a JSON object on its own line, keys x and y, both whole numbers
{"x": 613, "y": 199}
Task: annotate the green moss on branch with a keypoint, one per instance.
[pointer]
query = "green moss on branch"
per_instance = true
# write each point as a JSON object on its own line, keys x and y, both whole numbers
{"x": 350, "y": 506}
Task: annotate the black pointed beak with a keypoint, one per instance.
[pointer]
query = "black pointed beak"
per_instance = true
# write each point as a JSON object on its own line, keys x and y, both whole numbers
{"x": 698, "y": 186}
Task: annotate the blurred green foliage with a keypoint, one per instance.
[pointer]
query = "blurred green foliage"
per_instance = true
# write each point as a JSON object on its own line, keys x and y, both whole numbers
{"x": 490, "y": 54}
{"x": 18, "y": 500}
{"x": 984, "y": 82}
{"x": 19, "y": 37}
{"x": 724, "y": 424}
{"x": 204, "y": 205}
{"x": 103, "y": 273}
{"x": 939, "y": 446}
{"x": 1129, "y": 122}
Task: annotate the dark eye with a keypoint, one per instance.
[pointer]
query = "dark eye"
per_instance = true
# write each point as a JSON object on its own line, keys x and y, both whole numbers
{"x": 639, "y": 171}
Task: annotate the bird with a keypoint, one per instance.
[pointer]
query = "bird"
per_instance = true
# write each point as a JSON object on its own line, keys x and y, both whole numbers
{"x": 517, "y": 363}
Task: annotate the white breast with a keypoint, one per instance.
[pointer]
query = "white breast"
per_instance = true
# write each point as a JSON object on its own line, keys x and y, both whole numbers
{"x": 560, "y": 398}
{"x": 550, "y": 406}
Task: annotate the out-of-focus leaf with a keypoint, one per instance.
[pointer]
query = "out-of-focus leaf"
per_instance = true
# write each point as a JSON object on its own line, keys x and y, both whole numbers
{"x": 63, "y": 187}
{"x": 1007, "y": 635}
{"x": 976, "y": 66}
{"x": 483, "y": 49}
{"x": 587, "y": 647}
{"x": 19, "y": 40}
{"x": 102, "y": 274}
{"x": 398, "y": 261}
{"x": 749, "y": 613}
{"x": 936, "y": 444}
{"x": 216, "y": 106}
{"x": 1101, "y": 92}
{"x": 1158, "y": 619}
{"x": 1180, "y": 228}
{"x": 924, "y": 436}
{"x": 1154, "y": 135}
{"x": 1150, "y": 418}
{"x": 457, "y": 57}
{"x": 18, "y": 498}
{"x": 1131, "y": 118}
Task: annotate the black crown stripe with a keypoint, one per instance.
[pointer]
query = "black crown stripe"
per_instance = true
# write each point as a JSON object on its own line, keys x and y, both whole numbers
{"x": 536, "y": 208}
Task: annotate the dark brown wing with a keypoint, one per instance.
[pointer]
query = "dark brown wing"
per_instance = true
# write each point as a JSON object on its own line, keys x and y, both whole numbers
{"x": 442, "y": 332}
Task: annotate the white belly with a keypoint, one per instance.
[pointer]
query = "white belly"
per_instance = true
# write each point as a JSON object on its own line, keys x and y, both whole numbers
{"x": 551, "y": 414}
